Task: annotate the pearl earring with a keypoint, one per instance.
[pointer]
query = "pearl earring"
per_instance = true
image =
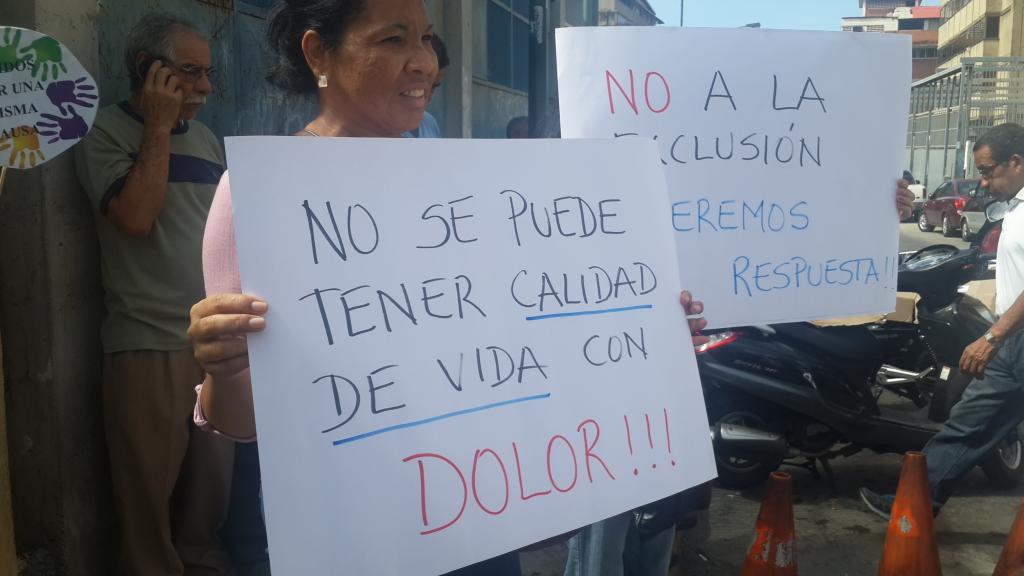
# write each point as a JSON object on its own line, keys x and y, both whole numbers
{"x": 323, "y": 81}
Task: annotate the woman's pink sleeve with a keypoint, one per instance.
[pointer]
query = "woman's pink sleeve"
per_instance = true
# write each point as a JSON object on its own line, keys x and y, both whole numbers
{"x": 220, "y": 256}
{"x": 220, "y": 271}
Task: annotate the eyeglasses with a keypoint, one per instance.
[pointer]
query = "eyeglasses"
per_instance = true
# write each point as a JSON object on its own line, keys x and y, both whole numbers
{"x": 191, "y": 72}
{"x": 986, "y": 171}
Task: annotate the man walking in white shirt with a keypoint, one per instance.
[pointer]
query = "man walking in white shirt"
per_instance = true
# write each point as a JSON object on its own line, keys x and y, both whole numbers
{"x": 993, "y": 404}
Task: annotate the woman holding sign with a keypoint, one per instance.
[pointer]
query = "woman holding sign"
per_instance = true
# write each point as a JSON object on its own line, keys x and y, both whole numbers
{"x": 371, "y": 66}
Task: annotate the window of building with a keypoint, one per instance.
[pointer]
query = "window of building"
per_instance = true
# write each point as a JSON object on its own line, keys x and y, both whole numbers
{"x": 911, "y": 24}
{"x": 930, "y": 52}
{"x": 577, "y": 12}
{"x": 992, "y": 27}
{"x": 507, "y": 44}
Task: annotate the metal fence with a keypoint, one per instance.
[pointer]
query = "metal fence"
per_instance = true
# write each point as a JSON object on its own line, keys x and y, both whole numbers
{"x": 949, "y": 110}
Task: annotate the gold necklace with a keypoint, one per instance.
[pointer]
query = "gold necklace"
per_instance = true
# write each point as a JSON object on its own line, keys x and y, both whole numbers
{"x": 310, "y": 132}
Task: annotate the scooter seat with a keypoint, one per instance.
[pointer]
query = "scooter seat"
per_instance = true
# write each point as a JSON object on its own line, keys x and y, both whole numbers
{"x": 846, "y": 342}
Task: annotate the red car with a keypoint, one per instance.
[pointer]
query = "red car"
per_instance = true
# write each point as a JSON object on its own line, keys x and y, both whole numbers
{"x": 945, "y": 206}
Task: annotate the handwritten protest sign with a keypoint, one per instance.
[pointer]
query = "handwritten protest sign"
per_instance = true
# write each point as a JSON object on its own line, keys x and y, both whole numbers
{"x": 781, "y": 150}
{"x": 471, "y": 346}
{"x": 47, "y": 99}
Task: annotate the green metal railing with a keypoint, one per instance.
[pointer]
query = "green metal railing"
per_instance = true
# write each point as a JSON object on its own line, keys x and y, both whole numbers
{"x": 949, "y": 110}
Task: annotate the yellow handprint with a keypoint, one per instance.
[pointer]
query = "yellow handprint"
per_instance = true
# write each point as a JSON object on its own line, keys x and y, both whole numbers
{"x": 24, "y": 146}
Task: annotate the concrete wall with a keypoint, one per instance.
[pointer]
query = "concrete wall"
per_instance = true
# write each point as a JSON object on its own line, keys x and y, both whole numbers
{"x": 49, "y": 316}
{"x": 8, "y": 559}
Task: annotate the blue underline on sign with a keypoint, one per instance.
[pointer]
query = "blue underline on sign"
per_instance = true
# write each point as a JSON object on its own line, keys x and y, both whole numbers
{"x": 590, "y": 312}
{"x": 442, "y": 417}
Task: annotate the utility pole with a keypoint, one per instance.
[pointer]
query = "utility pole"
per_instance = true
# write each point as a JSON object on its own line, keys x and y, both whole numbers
{"x": 682, "y": 10}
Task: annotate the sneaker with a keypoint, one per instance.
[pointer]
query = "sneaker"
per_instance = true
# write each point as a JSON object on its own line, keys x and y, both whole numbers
{"x": 880, "y": 504}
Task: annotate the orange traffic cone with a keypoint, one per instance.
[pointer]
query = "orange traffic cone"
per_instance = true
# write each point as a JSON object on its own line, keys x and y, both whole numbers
{"x": 910, "y": 547}
{"x": 1011, "y": 562}
{"x": 773, "y": 552}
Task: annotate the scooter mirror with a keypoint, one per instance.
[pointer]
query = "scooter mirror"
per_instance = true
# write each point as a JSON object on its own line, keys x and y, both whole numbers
{"x": 995, "y": 211}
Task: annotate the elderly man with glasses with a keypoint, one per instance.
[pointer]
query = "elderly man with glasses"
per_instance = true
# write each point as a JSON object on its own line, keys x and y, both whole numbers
{"x": 993, "y": 404}
{"x": 150, "y": 171}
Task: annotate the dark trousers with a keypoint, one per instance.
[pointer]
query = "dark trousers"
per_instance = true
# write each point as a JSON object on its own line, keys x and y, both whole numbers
{"x": 245, "y": 531}
{"x": 172, "y": 482}
{"x": 987, "y": 413}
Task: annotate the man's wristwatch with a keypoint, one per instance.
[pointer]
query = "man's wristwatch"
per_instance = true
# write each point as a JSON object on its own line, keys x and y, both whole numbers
{"x": 991, "y": 339}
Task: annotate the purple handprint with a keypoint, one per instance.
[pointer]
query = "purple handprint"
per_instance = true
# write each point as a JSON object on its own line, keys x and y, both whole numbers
{"x": 63, "y": 128}
{"x": 67, "y": 93}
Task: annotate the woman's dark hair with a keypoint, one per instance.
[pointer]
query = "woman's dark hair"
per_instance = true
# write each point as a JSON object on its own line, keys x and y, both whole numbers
{"x": 441, "y": 50}
{"x": 289, "y": 21}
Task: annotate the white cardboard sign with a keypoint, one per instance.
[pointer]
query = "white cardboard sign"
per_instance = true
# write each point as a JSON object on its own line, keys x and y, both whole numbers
{"x": 781, "y": 150}
{"x": 471, "y": 346}
{"x": 47, "y": 99}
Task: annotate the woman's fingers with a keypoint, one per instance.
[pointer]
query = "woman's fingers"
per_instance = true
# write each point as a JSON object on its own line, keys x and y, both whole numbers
{"x": 685, "y": 298}
{"x": 226, "y": 315}
{"x": 227, "y": 367}
{"x": 690, "y": 305}
{"x": 904, "y": 199}
{"x": 220, "y": 350}
{"x": 694, "y": 308}
{"x": 229, "y": 304}
{"x": 218, "y": 328}
{"x": 210, "y": 328}
{"x": 697, "y": 324}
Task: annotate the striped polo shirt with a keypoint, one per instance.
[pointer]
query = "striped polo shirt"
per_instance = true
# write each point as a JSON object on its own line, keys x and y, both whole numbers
{"x": 150, "y": 283}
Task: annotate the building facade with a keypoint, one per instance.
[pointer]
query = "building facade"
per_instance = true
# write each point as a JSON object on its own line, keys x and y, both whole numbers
{"x": 871, "y": 8}
{"x": 921, "y": 23}
{"x": 980, "y": 28}
{"x": 627, "y": 13}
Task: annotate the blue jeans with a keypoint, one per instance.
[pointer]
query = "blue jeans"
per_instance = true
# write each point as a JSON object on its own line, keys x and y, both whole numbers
{"x": 989, "y": 410}
{"x": 611, "y": 547}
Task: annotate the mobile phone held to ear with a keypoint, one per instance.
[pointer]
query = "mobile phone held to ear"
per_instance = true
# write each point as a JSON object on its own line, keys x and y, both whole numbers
{"x": 144, "y": 67}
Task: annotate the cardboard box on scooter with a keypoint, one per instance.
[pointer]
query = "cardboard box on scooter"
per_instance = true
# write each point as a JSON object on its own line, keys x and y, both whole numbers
{"x": 906, "y": 311}
{"x": 984, "y": 290}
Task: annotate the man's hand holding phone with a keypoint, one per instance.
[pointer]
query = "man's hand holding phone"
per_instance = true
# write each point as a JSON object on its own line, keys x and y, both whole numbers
{"x": 161, "y": 96}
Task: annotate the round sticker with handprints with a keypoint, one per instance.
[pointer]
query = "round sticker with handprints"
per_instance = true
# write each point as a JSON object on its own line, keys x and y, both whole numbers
{"x": 47, "y": 99}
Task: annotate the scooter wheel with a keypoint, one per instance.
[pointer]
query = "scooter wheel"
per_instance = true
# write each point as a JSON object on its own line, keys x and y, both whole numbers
{"x": 1004, "y": 467}
{"x": 739, "y": 470}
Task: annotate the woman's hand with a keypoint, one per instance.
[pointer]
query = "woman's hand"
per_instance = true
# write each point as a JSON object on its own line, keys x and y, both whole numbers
{"x": 694, "y": 308}
{"x": 218, "y": 329}
{"x": 904, "y": 199}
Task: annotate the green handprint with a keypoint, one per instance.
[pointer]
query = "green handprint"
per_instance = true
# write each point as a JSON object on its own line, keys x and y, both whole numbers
{"x": 9, "y": 58}
{"x": 48, "y": 57}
